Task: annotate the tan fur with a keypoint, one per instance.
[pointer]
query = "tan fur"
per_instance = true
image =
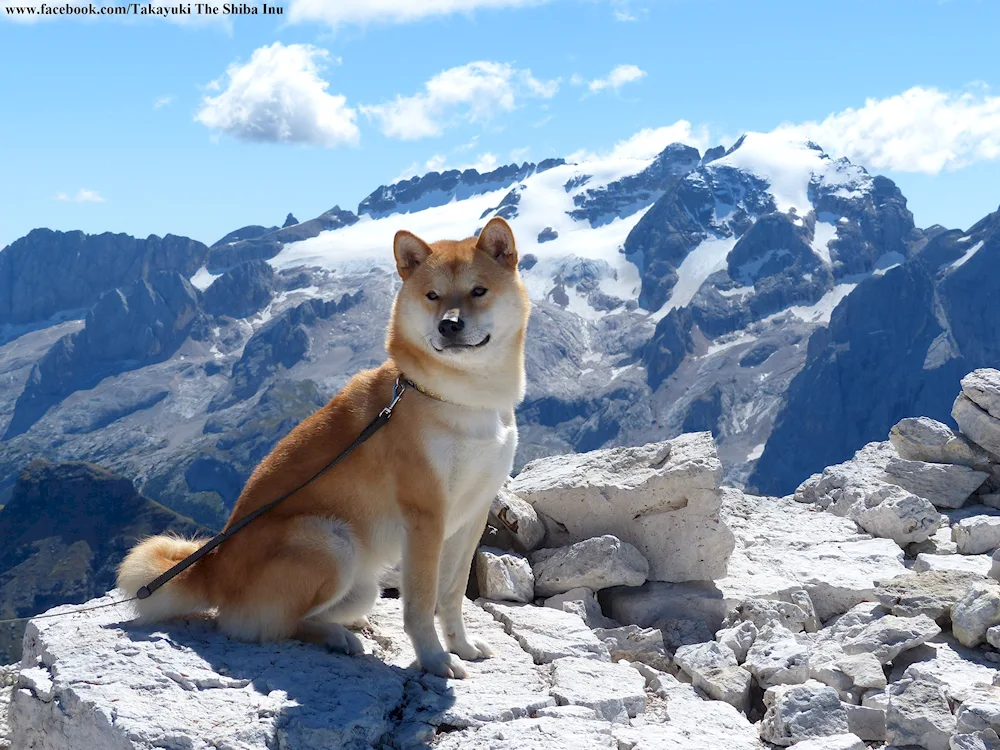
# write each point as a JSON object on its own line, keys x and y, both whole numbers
{"x": 419, "y": 489}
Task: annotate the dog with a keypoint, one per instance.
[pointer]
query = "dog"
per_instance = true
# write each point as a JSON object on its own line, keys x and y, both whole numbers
{"x": 418, "y": 492}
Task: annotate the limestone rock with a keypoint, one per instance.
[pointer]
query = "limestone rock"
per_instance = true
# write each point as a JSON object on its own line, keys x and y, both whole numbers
{"x": 614, "y": 691}
{"x": 802, "y": 712}
{"x": 583, "y": 603}
{"x": 939, "y": 543}
{"x": 777, "y": 657}
{"x": 547, "y": 634}
{"x": 918, "y": 714}
{"x": 945, "y": 485}
{"x": 977, "y": 534}
{"x": 926, "y": 439}
{"x": 504, "y": 576}
{"x": 995, "y": 566}
{"x": 738, "y": 638}
{"x": 597, "y": 563}
{"x": 547, "y": 733}
{"x": 633, "y": 643}
{"x": 888, "y": 636}
{"x": 985, "y": 740}
{"x": 977, "y": 424}
{"x": 979, "y": 712}
{"x": 959, "y": 671}
{"x": 663, "y": 498}
{"x": 978, "y": 565}
{"x": 931, "y": 593}
{"x": 712, "y": 668}
{"x": 852, "y": 479}
{"x": 866, "y": 722}
{"x": 983, "y": 387}
{"x": 834, "y": 742}
{"x": 763, "y": 612}
{"x": 518, "y": 519}
{"x": 975, "y": 613}
{"x": 890, "y": 512}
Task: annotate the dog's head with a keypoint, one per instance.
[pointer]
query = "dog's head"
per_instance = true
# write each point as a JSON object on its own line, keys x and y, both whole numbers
{"x": 462, "y": 302}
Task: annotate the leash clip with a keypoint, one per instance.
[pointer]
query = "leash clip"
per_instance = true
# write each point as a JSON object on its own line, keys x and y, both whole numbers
{"x": 397, "y": 393}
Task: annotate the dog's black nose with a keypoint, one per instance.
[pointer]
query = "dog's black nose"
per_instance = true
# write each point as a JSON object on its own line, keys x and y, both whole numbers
{"x": 451, "y": 327}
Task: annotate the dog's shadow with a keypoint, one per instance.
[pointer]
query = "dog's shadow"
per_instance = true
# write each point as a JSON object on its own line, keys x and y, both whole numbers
{"x": 291, "y": 694}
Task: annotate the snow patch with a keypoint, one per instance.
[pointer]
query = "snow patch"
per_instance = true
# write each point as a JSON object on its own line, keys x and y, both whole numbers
{"x": 203, "y": 278}
{"x": 968, "y": 254}
{"x": 709, "y": 257}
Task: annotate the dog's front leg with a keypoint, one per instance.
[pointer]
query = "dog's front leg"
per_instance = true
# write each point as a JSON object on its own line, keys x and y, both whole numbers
{"x": 421, "y": 561}
{"x": 455, "y": 564}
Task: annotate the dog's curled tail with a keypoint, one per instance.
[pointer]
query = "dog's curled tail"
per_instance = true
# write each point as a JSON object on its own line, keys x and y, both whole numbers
{"x": 183, "y": 595}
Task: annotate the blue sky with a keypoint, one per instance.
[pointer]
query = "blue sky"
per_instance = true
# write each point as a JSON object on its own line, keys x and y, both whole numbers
{"x": 146, "y": 126}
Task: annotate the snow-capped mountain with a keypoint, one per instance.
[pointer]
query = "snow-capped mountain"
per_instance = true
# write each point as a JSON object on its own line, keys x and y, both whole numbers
{"x": 670, "y": 294}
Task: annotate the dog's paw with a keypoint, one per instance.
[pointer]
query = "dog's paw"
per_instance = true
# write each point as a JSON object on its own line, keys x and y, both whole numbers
{"x": 443, "y": 664}
{"x": 471, "y": 649}
{"x": 340, "y": 639}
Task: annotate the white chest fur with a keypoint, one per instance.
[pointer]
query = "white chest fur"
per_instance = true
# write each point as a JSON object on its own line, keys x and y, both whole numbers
{"x": 472, "y": 452}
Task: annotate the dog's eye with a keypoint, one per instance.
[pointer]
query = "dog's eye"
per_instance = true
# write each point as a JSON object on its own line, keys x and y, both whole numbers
{"x": 432, "y": 296}
{"x": 479, "y": 291}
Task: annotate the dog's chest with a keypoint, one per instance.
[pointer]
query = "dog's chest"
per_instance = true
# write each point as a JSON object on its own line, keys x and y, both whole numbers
{"x": 472, "y": 454}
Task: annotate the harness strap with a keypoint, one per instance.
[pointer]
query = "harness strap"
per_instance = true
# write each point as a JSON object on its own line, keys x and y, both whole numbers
{"x": 187, "y": 562}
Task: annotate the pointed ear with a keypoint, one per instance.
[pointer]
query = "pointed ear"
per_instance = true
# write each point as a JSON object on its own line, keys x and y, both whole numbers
{"x": 497, "y": 241}
{"x": 410, "y": 252}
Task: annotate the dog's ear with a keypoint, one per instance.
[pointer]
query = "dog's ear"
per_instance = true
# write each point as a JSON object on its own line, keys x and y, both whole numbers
{"x": 410, "y": 252}
{"x": 497, "y": 241}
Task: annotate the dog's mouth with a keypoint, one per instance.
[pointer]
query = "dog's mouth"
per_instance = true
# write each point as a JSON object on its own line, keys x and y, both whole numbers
{"x": 459, "y": 346}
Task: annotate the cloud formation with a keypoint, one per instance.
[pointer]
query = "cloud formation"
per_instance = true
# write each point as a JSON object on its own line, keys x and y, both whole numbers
{"x": 279, "y": 96}
{"x": 648, "y": 142}
{"x": 618, "y": 77}
{"x": 83, "y": 195}
{"x": 362, "y": 12}
{"x": 921, "y": 130}
{"x": 474, "y": 93}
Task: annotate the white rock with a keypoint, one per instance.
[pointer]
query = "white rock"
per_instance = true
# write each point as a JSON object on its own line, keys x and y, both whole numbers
{"x": 983, "y": 387}
{"x": 704, "y": 655}
{"x": 763, "y": 612}
{"x": 785, "y": 546}
{"x": 939, "y": 543}
{"x": 977, "y": 424}
{"x": 854, "y": 478}
{"x": 635, "y": 644}
{"x": 804, "y": 602}
{"x": 852, "y": 622}
{"x": 836, "y": 742}
{"x": 926, "y": 439}
{"x": 977, "y": 534}
{"x": 866, "y": 722}
{"x": 878, "y": 699}
{"x": 945, "y": 485}
{"x": 597, "y": 563}
{"x": 890, "y": 512}
{"x": 977, "y": 564}
{"x": 985, "y": 740}
{"x": 656, "y": 601}
{"x": 663, "y": 498}
{"x": 610, "y": 689}
{"x": 567, "y": 712}
{"x": 957, "y": 670}
{"x": 695, "y": 724}
{"x": 504, "y": 576}
{"x": 518, "y": 519}
{"x": 824, "y": 666}
{"x": 980, "y": 711}
{"x": 976, "y": 612}
{"x": 777, "y": 657}
{"x": 930, "y": 593}
{"x": 738, "y": 638}
{"x": 547, "y": 634}
{"x": 919, "y": 714}
{"x": 993, "y": 636}
{"x": 8, "y": 677}
{"x": 96, "y": 684}
{"x": 802, "y": 712}
{"x": 889, "y": 636}
{"x": 582, "y": 603}
{"x": 546, "y": 733}
{"x": 712, "y": 668}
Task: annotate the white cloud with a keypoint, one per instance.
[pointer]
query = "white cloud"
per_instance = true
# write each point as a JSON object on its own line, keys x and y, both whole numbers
{"x": 485, "y": 162}
{"x": 920, "y": 130}
{"x": 617, "y": 78}
{"x": 648, "y": 142}
{"x": 162, "y": 102}
{"x": 361, "y": 12}
{"x": 279, "y": 96}
{"x": 474, "y": 92}
{"x": 83, "y": 195}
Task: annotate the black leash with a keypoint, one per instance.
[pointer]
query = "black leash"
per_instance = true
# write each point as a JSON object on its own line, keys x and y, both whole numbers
{"x": 397, "y": 393}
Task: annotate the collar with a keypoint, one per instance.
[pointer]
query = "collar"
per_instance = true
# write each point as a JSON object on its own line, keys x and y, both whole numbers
{"x": 420, "y": 389}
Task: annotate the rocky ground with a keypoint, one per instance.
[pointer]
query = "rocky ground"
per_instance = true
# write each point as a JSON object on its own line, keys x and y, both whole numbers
{"x": 633, "y": 604}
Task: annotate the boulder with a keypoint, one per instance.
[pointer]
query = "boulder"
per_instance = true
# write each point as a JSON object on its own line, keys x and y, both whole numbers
{"x": 977, "y": 424}
{"x": 547, "y": 634}
{"x": 887, "y": 637}
{"x": 635, "y": 644}
{"x": 834, "y": 742}
{"x": 840, "y": 485}
{"x": 583, "y": 603}
{"x": 977, "y": 565}
{"x": 977, "y": 534}
{"x": 738, "y": 638}
{"x": 866, "y": 722}
{"x": 939, "y": 543}
{"x": 890, "y": 512}
{"x": 662, "y": 498}
{"x": 976, "y": 611}
{"x": 778, "y": 657}
{"x": 926, "y": 439}
{"x": 930, "y": 593}
{"x": 918, "y": 714}
{"x": 944, "y": 485}
{"x": 615, "y": 691}
{"x": 504, "y": 576}
{"x": 763, "y": 612}
{"x": 713, "y": 668}
{"x": 802, "y": 712}
{"x": 518, "y": 519}
{"x": 983, "y": 388}
{"x": 597, "y": 563}
{"x": 545, "y": 733}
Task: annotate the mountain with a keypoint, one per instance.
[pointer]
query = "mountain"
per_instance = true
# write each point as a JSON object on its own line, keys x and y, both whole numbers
{"x": 683, "y": 292}
{"x": 64, "y": 530}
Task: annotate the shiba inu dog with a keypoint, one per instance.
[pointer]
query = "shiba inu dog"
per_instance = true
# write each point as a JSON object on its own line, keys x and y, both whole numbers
{"x": 418, "y": 491}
